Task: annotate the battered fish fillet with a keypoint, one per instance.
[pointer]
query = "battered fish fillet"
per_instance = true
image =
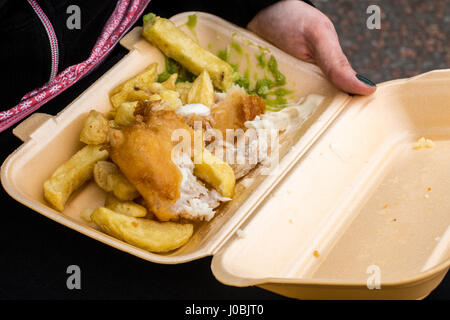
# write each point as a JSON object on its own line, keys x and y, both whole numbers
{"x": 165, "y": 180}
{"x": 235, "y": 109}
{"x": 143, "y": 153}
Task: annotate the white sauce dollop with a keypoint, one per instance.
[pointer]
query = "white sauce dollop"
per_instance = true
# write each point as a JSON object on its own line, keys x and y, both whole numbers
{"x": 193, "y": 109}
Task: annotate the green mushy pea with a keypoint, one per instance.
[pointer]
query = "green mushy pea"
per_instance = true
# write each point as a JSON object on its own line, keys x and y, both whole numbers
{"x": 191, "y": 24}
{"x": 192, "y": 21}
{"x": 262, "y": 62}
{"x": 263, "y": 87}
{"x": 280, "y": 99}
{"x": 224, "y": 55}
{"x": 273, "y": 78}
{"x": 236, "y": 46}
{"x": 243, "y": 82}
{"x": 280, "y": 79}
{"x": 148, "y": 17}
{"x": 171, "y": 67}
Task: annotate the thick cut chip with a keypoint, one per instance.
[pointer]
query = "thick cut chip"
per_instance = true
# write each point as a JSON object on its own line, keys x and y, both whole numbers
{"x": 134, "y": 94}
{"x": 176, "y": 45}
{"x": 95, "y": 129}
{"x": 202, "y": 90}
{"x": 129, "y": 94}
{"x": 108, "y": 177}
{"x": 125, "y": 113}
{"x": 143, "y": 233}
{"x": 128, "y": 208}
{"x": 217, "y": 173}
{"x": 72, "y": 174}
{"x": 136, "y": 88}
{"x": 170, "y": 100}
{"x": 183, "y": 89}
{"x": 170, "y": 83}
{"x": 113, "y": 124}
{"x": 86, "y": 214}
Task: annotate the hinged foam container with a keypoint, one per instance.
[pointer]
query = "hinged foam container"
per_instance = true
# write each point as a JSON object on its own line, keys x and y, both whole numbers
{"x": 351, "y": 205}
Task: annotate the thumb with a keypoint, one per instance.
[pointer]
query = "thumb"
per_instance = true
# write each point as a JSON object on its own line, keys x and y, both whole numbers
{"x": 333, "y": 62}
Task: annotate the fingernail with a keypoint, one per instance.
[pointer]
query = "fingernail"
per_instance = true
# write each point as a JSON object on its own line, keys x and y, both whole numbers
{"x": 365, "y": 80}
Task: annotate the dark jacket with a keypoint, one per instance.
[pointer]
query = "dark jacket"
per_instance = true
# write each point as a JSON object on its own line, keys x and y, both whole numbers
{"x": 25, "y": 53}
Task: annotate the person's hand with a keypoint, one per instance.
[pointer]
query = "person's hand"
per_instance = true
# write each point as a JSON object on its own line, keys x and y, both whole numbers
{"x": 306, "y": 33}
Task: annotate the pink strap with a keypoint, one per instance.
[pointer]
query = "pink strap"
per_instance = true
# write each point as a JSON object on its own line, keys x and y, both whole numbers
{"x": 124, "y": 16}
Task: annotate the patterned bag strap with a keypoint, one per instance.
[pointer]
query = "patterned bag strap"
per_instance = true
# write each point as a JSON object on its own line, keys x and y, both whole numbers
{"x": 124, "y": 16}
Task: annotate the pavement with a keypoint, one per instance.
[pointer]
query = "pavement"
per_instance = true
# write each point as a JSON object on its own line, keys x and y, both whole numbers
{"x": 413, "y": 38}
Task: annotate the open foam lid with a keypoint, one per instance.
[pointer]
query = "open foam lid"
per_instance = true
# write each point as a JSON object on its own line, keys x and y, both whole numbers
{"x": 361, "y": 197}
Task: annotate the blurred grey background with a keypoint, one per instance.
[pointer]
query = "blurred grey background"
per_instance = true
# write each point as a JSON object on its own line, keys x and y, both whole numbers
{"x": 414, "y": 36}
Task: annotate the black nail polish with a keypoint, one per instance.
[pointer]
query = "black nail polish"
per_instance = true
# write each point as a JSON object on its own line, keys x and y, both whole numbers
{"x": 365, "y": 80}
